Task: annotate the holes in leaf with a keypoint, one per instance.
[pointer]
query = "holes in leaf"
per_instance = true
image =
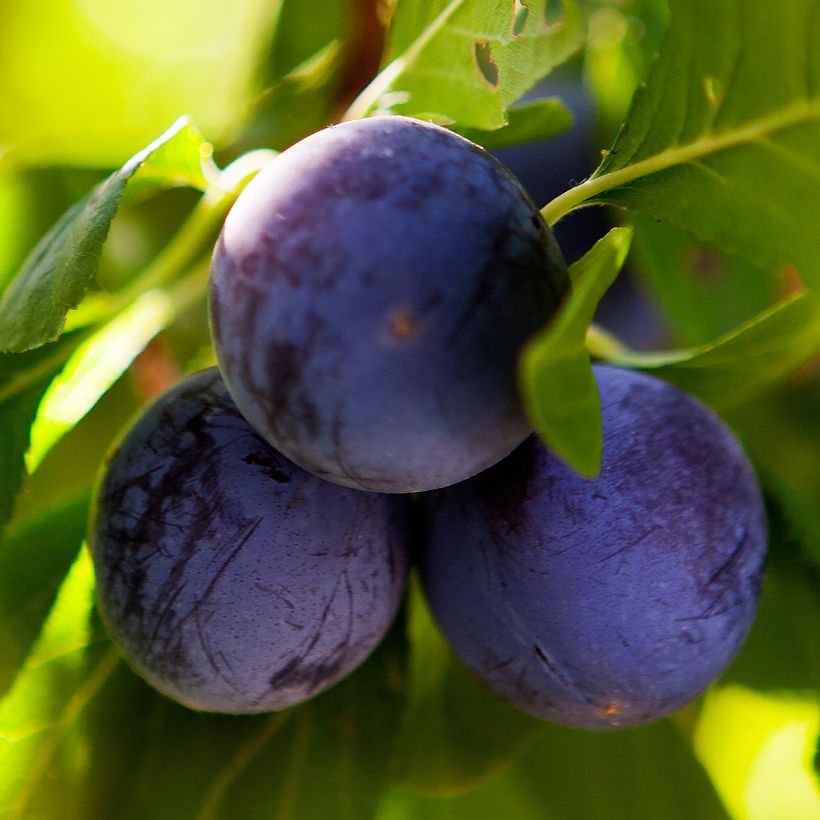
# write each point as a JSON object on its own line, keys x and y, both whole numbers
{"x": 520, "y": 13}
{"x": 485, "y": 63}
{"x": 553, "y": 15}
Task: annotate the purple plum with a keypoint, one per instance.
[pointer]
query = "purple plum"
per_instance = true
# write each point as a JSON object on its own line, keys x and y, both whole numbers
{"x": 370, "y": 293}
{"x": 233, "y": 580}
{"x": 607, "y": 602}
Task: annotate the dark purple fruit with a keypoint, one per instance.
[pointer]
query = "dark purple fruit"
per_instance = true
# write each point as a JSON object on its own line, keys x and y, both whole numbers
{"x": 370, "y": 293}
{"x": 233, "y": 580}
{"x": 607, "y": 602}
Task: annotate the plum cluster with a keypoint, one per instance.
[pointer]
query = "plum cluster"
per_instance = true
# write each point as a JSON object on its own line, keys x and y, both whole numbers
{"x": 371, "y": 291}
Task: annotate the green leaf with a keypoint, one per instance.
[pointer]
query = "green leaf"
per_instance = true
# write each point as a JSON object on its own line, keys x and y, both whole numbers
{"x": 468, "y": 60}
{"x": 60, "y": 269}
{"x": 556, "y": 378}
{"x": 740, "y": 364}
{"x": 455, "y": 733}
{"x": 82, "y": 736}
{"x": 42, "y": 714}
{"x": 577, "y": 775}
{"x": 325, "y": 758}
{"x": 724, "y": 140}
{"x": 531, "y": 122}
{"x": 34, "y": 559}
{"x": 780, "y": 432}
{"x": 702, "y": 292}
{"x": 302, "y": 32}
{"x": 800, "y": 509}
{"x": 759, "y": 750}
{"x": 299, "y": 103}
{"x": 103, "y": 357}
{"x": 23, "y": 380}
{"x": 331, "y": 759}
{"x": 781, "y": 650}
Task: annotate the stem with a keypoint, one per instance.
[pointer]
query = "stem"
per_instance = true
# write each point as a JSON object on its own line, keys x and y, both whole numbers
{"x": 362, "y": 105}
{"x": 755, "y": 131}
{"x": 602, "y": 344}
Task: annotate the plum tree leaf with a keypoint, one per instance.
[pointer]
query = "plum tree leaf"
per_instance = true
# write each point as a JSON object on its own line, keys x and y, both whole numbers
{"x": 724, "y": 139}
{"x": 741, "y": 733}
{"x": 739, "y": 364}
{"x": 23, "y": 380}
{"x": 567, "y": 774}
{"x": 531, "y": 122}
{"x": 779, "y": 430}
{"x": 61, "y": 267}
{"x": 455, "y": 733}
{"x": 469, "y": 60}
{"x": 775, "y": 678}
{"x": 145, "y": 756}
{"x": 555, "y": 374}
{"x": 149, "y": 301}
{"x": 799, "y": 507}
{"x": 102, "y": 357}
{"x": 44, "y": 706}
{"x": 34, "y": 559}
{"x": 702, "y": 292}
{"x": 781, "y": 650}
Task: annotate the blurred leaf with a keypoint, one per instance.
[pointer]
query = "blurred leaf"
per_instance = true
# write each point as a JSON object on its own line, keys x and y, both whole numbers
{"x": 455, "y": 733}
{"x": 622, "y": 42}
{"x": 34, "y": 559}
{"x": 82, "y": 736}
{"x": 87, "y": 82}
{"x": 556, "y": 376}
{"x": 740, "y": 364}
{"x": 60, "y": 269}
{"x": 23, "y": 380}
{"x": 326, "y": 758}
{"x": 577, "y": 775}
{"x": 781, "y": 650}
{"x": 800, "y": 509}
{"x": 41, "y": 717}
{"x": 106, "y": 354}
{"x": 703, "y": 293}
{"x": 781, "y": 433}
{"x": 304, "y": 28}
{"x": 298, "y": 104}
{"x": 531, "y": 122}
{"x": 469, "y": 60}
{"x": 331, "y": 757}
{"x": 180, "y": 158}
{"x": 724, "y": 140}
{"x": 759, "y": 750}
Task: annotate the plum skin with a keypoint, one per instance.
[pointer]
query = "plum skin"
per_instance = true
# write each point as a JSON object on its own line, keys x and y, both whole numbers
{"x": 233, "y": 580}
{"x": 370, "y": 293}
{"x": 608, "y": 602}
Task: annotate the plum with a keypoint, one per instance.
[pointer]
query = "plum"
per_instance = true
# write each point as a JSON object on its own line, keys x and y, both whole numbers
{"x": 233, "y": 580}
{"x": 607, "y": 602}
{"x": 370, "y": 293}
